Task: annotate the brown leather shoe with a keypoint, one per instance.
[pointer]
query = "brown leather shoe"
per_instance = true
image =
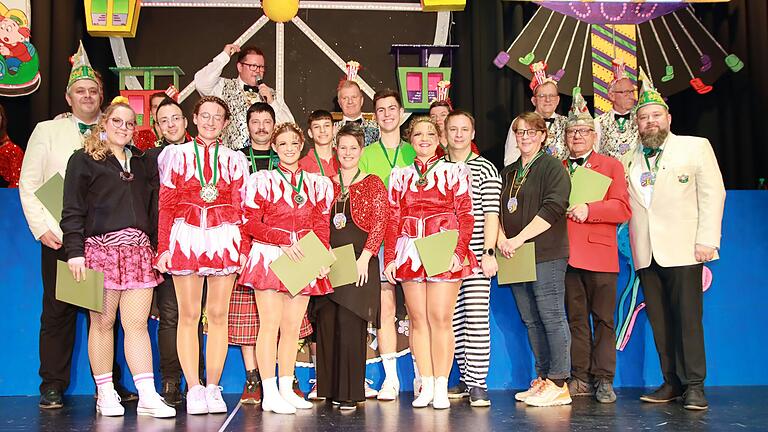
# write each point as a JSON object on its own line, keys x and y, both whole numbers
{"x": 665, "y": 393}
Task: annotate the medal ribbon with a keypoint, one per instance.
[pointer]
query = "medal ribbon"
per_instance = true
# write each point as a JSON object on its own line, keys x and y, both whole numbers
{"x": 424, "y": 174}
{"x": 199, "y": 163}
{"x": 655, "y": 168}
{"x": 296, "y": 189}
{"x": 253, "y": 158}
{"x": 392, "y": 162}
{"x": 341, "y": 181}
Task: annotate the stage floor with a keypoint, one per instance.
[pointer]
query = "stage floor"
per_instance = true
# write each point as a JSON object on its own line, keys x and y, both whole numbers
{"x": 731, "y": 409}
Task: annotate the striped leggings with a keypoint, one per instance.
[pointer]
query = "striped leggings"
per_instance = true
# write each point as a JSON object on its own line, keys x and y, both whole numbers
{"x": 472, "y": 330}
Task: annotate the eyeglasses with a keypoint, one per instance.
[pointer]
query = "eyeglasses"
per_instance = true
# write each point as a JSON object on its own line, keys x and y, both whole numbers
{"x": 547, "y": 96}
{"x": 623, "y": 92}
{"x": 580, "y": 132}
{"x": 118, "y": 123}
{"x": 163, "y": 121}
{"x": 254, "y": 66}
{"x": 523, "y": 132}
{"x": 207, "y": 116}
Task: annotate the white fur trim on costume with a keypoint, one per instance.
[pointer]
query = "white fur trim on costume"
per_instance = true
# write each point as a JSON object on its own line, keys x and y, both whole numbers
{"x": 270, "y": 186}
{"x": 445, "y": 177}
{"x": 223, "y": 239}
{"x": 180, "y": 159}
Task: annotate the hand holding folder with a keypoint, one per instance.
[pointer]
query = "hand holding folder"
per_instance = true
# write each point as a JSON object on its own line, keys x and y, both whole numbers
{"x": 344, "y": 270}
{"x": 88, "y": 293}
{"x": 51, "y": 194}
{"x": 521, "y": 267}
{"x": 436, "y": 251}
{"x": 296, "y": 275}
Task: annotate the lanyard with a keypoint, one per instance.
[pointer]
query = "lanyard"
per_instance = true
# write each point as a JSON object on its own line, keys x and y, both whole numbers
{"x": 523, "y": 174}
{"x": 386, "y": 155}
{"x": 319, "y": 162}
{"x": 199, "y": 163}
{"x": 341, "y": 182}
{"x": 296, "y": 189}
{"x": 655, "y": 168}
{"x": 254, "y": 157}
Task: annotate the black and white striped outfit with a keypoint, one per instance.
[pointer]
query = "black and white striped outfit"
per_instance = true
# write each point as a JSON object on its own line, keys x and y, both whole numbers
{"x": 470, "y": 321}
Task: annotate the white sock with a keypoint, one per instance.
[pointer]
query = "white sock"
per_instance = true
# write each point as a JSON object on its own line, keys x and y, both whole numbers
{"x": 269, "y": 386}
{"x": 145, "y": 384}
{"x": 104, "y": 381}
{"x": 390, "y": 367}
{"x": 285, "y": 383}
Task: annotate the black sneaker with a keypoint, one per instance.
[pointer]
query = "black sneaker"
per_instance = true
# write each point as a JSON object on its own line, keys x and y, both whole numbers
{"x": 478, "y": 397}
{"x": 604, "y": 392}
{"x": 458, "y": 392}
{"x": 51, "y": 399}
{"x": 347, "y": 405}
{"x": 172, "y": 392}
{"x": 665, "y": 393}
{"x": 577, "y": 387}
{"x": 694, "y": 399}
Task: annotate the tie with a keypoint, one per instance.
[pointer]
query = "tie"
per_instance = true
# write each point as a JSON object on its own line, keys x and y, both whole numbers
{"x": 578, "y": 161}
{"x": 549, "y": 121}
{"x": 650, "y": 152}
{"x": 621, "y": 116}
{"x": 357, "y": 122}
{"x": 249, "y": 88}
{"x": 84, "y": 128}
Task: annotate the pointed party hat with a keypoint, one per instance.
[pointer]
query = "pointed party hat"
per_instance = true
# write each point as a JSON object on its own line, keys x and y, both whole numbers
{"x": 579, "y": 113}
{"x": 649, "y": 95}
{"x": 81, "y": 67}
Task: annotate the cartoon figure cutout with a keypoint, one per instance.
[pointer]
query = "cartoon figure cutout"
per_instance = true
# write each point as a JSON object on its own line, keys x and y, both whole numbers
{"x": 19, "y": 63}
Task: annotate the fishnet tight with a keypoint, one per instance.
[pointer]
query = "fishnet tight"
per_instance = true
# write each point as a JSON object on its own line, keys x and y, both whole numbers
{"x": 134, "y": 311}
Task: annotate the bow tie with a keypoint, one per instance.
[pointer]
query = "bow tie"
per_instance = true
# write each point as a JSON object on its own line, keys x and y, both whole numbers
{"x": 621, "y": 116}
{"x": 358, "y": 121}
{"x": 250, "y": 88}
{"x": 84, "y": 128}
{"x": 578, "y": 161}
{"x": 651, "y": 152}
{"x": 549, "y": 120}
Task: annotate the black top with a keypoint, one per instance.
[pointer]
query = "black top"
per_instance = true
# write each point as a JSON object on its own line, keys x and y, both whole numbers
{"x": 153, "y": 176}
{"x": 97, "y": 201}
{"x": 260, "y": 158}
{"x": 544, "y": 193}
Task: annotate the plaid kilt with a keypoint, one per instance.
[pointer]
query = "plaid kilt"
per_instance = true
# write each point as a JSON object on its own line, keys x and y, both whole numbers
{"x": 243, "y": 326}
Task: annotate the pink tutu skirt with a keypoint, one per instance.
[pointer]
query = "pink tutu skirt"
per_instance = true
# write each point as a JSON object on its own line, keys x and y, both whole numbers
{"x": 125, "y": 257}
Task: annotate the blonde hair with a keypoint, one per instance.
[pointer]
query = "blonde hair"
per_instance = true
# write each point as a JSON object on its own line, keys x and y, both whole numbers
{"x": 421, "y": 119}
{"x": 94, "y": 145}
{"x": 286, "y": 127}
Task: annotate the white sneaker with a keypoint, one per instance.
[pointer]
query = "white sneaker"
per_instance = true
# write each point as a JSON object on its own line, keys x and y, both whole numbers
{"x": 370, "y": 393}
{"x": 441, "y": 400}
{"x": 536, "y": 386}
{"x": 196, "y": 403}
{"x": 108, "y": 402}
{"x": 287, "y": 393}
{"x": 550, "y": 395}
{"x": 416, "y": 387}
{"x": 426, "y": 394}
{"x": 213, "y": 399}
{"x": 389, "y": 390}
{"x": 313, "y": 393}
{"x": 271, "y": 401}
{"x": 155, "y": 406}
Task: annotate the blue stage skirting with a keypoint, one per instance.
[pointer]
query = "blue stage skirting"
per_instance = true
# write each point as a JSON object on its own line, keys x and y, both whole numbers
{"x": 735, "y": 316}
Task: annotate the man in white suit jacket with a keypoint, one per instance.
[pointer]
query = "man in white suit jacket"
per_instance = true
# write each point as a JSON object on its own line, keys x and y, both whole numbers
{"x": 677, "y": 197}
{"x": 48, "y": 150}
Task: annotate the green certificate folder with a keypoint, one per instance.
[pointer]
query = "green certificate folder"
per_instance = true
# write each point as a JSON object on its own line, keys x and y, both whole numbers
{"x": 520, "y": 268}
{"x": 88, "y": 294}
{"x": 297, "y": 275}
{"x": 51, "y": 194}
{"x": 436, "y": 251}
{"x": 587, "y": 186}
{"x": 344, "y": 270}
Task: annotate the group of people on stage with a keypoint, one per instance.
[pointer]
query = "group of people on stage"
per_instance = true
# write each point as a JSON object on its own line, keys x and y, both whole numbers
{"x": 200, "y": 219}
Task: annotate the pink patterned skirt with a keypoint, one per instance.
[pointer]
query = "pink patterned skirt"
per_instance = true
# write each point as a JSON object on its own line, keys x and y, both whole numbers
{"x": 125, "y": 257}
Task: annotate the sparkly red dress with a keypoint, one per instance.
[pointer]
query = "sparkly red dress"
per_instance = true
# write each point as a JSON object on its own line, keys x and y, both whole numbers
{"x": 202, "y": 237}
{"x": 11, "y": 156}
{"x": 273, "y": 219}
{"x": 443, "y": 203}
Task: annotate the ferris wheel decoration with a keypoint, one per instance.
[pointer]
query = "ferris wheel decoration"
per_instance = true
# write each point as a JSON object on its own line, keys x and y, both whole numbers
{"x": 664, "y": 37}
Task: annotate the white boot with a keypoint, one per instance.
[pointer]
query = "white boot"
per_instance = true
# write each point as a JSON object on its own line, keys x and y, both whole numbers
{"x": 154, "y": 405}
{"x": 213, "y": 399}
{"x": 441, "y": 400}
{"x": 426, "y": 394}
{"x": 196, "y": 403}
{"x": 108, "y": 402}
{"x": 286, "y": 391}
{"x": 271, "y": 401}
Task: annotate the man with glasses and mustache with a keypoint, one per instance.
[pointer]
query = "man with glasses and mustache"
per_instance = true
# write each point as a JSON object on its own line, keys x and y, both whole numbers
{"x": 677, "y": 197}
{"x": 545, "y": 101}
{"x": 617, "y": 129}
{"x": 241, "y": 92}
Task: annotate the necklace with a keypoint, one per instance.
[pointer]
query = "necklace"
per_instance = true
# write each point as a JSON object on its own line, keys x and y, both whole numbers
{"x": 208, "y": 191}
{"x": 519, "y": 179}
{"x": 422, "y": 181}
{"x": 125, "y": 173}
{"x": 339, "y": 218}
{"x": 298, "y": 198}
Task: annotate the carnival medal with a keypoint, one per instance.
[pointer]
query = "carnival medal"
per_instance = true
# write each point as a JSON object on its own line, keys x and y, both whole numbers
{"x": 339, "y": 221}
{"x": 647, "y": 179}
{"x": 209, "y": 192}
{"x": 512, "y": 204}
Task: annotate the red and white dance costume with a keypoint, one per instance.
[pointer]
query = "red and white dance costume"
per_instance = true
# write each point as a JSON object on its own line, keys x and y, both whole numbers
{"x": 203, "y": 238}
{"x": 443, "y": 203}
{"x": 273, "y": 219}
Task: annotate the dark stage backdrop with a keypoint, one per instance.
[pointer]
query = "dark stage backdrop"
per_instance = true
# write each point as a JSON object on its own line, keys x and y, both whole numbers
{"x": 731, "y": 116}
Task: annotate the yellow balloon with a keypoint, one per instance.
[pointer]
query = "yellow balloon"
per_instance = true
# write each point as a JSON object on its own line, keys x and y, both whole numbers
{"x": 280, "y": 10}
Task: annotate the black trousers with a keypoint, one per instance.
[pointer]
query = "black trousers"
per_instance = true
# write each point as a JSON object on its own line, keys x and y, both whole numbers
{"x": 57, "y": 329}
{"x": 591, "y": 294}
{"x": 168, "y": 307}
{"x": 673, "y": 299}
{"x": 341, "y": 352}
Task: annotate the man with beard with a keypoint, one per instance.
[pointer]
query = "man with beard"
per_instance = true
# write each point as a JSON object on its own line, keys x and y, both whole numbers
{"x": 677, "y": 198}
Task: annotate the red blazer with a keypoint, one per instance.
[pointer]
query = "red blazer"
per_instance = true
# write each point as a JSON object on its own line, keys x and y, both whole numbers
{"x": 593, "y": 243}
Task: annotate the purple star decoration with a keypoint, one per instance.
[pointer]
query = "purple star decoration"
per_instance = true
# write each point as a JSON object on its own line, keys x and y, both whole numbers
{"x": 613, "y": 12}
